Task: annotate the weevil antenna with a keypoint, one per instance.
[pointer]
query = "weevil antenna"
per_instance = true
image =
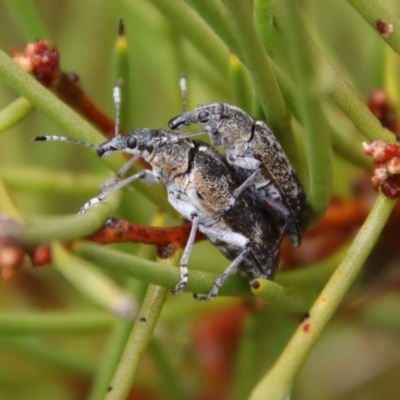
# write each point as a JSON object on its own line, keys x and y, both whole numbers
{"x": 182, "y": 84}
{"x": 117, "y": 104}
{"x": 63, "y": 139}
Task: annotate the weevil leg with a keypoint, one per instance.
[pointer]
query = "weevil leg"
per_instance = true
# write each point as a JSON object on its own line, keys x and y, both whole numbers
{"x": 185, "y": 257}
{"x": 225, "y": 275}
{"x": 281, "y": 214}
{"x": 145, "y": 175}
{"x": 245, "y": 184}
{"x": 117, "y": 177}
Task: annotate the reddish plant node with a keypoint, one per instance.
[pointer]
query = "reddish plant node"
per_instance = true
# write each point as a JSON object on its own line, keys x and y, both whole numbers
{"x": 384, "y": 28}
{"x": 40, "y": 60}
{"x": 40, "y": 256}
{"x": 386, "y": 174}
{"x": 307, "y": 327}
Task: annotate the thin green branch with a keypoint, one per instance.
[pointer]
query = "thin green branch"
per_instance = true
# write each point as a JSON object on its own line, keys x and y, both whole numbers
{"x": 277, "y": 383}
{"x": 14, "y": 112}
{"x": 54, "y": 323}
{"x": 313, "y": 277}
{"x": 40, "y": 180}
{"x": 110, "y": 359}
{"x": 54, "y": 357}
{"x": 349, "y": 149}
{"x": 137, "y": 343}
{"x": 263, "y": 76}
{"x": 163, "y": 275}
{"x": 336, "y": 87}
{"x": 263, "y": 20}
{"x": 191, "y": 26}
{"x": 317, "y": 136}
{"x": 92, "y": 283}
{"x": 240, "y": 84}
{"x": 72, "y": 226}
{"x": 372, "y": 11}
{"x": 215, "y": 14}
{"x": 287, "y": 298}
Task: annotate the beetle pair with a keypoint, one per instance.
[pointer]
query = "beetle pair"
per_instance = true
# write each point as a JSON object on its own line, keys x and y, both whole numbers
{"x": 245, "y": 208}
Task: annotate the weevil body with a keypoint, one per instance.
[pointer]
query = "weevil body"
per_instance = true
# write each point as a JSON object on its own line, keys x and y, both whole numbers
{"x": 250, "y": 144}
{"x": 200, "y": 184}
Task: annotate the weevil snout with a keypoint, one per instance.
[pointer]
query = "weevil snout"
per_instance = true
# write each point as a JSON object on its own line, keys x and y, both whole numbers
{"x": 179, "y": 122}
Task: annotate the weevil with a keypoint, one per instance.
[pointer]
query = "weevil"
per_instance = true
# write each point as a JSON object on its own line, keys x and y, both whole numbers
{"x": 250, "y": 144}
{"x": 199, "y": 185}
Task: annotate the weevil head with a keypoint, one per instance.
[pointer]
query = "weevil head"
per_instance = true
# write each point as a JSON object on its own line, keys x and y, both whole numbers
{"x": 138, "y": 142}
{"x": 226, "y": 124}
{"x": 208, "y": 115}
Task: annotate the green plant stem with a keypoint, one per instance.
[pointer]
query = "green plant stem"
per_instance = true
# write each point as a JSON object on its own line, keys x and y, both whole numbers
{"x": 110, "y": 359}
{"x": 54, "y": 357}
{"x": 92, "y": 283}
{"x": 137, "y": 343}
{"x": 168, "y": 376}
{"x": 317, "y": 137}
{"x": 378, "y": 9}
{"x": 240, "y": 84}
{"x": 191, "y": 26}
{"x": 151, "y": 272}
{"x": 287, "y": 298}
{"x": 73, "y": 226}
{"x": 263, "y": 76}
{"x": 263, "y": 20}
{"x": 14, "y": 112}
{"x": 51, "y": 323}
{"x": 336, "y": 87}
{"x": 277, "y": 383}
{"x": 343, "y": 146}
{"x": 40, "y": 180}
{"x": 215, "y": 14}
{"x": 313, "y": 277}
{"x": 28, "y": 20}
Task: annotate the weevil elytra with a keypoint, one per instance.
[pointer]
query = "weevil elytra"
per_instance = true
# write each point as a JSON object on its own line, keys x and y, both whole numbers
{"x": 200, "y": 184}
{"x": 250, "y": 144}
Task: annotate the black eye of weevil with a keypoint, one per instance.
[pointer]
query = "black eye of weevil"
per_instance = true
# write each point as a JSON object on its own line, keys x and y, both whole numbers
{"x": 203, "y": 116}
{"x": 131, "y": 142}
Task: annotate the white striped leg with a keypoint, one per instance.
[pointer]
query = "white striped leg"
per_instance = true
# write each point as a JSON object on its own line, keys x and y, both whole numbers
{"x": 185, "y": 257}
{"x": 126, "y": 167}
{"x": 145, "y": 175}
{"x": 225, "y": 275}
{"x": 245, "y": 184}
